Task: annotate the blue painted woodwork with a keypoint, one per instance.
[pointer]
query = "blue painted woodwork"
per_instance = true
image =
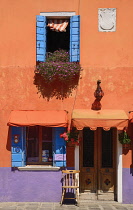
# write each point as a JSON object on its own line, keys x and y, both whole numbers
{"x": 75, "y": 38}
{"x": 18, "y": 149}
{"x": 40, "y": 38}
{"x": 59, "y": 147}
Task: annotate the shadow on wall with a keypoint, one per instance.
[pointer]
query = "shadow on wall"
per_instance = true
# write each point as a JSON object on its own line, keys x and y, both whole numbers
{"x": 8, "y": 144}
{"x": 131, "y": 137}
{"x": 96, "y": 105}
{"x": 55, "y": 89}
{"x": 127, "y": 147}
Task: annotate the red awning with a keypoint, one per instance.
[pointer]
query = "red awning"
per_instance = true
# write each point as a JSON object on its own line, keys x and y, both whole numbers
{"x": 58, "y": 25}
{"x": 103, "y": 118}
{"x": 44, "y": 118}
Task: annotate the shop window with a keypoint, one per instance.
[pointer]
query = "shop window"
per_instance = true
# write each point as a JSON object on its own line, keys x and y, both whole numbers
{"x": 49, "y": 41}
{"x": 38, "y": 145}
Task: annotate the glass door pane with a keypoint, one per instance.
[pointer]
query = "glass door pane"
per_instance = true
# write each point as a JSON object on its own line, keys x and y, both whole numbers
{"x": 107, "y": 149}
{"x": 47, "y": 145}
{"x": 32, "y": 144}
{"x": 88, "y": 148}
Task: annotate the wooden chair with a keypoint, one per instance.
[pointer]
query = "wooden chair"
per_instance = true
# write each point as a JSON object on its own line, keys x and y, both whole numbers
{"x": 70, "y": 184}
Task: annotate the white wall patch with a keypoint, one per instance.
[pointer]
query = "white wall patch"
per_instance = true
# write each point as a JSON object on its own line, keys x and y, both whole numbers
{"x": 107, "y": 19}
{"x": 58, "y": 14}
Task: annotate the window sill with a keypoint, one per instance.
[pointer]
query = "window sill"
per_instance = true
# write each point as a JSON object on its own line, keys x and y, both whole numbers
{"x": 38, "y": 168}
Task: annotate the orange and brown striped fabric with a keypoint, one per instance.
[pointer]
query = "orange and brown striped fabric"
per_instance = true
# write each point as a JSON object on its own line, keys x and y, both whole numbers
{"x": 58, "y": 25}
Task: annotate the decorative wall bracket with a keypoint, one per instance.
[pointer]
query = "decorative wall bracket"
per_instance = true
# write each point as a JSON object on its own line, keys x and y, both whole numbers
{"x": 98, "y": 95}
{"x": 98, "y": 92}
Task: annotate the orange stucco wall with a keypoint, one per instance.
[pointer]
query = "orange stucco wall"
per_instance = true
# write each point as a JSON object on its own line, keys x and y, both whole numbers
{"x": 104, "y": 55}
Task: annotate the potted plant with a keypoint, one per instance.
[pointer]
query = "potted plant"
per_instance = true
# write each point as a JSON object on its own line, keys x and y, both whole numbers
{"x": 71, "y": 137}
{"x": 58, "y": 68}
{"x": 124, "y": 139}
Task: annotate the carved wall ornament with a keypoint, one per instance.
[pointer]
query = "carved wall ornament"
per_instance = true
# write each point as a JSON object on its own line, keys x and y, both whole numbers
{"x": 107, "y": 19}
{"x": 107, "y": 182}
{"x": 98, "y": 92}
{"x": 88, "y": 181}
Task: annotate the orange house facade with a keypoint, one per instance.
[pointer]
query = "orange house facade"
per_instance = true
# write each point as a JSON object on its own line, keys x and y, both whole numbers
{"x": 34, "y": 113}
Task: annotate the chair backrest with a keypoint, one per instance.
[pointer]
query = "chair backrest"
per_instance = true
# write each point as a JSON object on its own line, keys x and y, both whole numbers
{"x": 70, "y": 178}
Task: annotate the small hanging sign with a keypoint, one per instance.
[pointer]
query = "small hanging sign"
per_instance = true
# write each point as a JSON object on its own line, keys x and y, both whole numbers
{"x": 60, "y": 157}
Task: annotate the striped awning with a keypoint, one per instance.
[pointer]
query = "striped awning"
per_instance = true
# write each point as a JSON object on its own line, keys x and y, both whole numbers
{"x": 58, "y": 25}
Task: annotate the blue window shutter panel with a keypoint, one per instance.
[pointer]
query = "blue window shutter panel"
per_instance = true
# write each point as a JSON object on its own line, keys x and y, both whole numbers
{"x": 59, "y": 147}
{"x": 75, "y": 38}
{"x": 18, "y": 150}
{"x": 40, "y": 38}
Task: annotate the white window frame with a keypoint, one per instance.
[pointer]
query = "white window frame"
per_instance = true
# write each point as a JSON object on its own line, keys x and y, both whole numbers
{"x": 57, "y": 14}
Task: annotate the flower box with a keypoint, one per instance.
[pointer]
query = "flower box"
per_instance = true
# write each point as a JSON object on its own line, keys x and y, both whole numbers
{"x": 58, "y": 68}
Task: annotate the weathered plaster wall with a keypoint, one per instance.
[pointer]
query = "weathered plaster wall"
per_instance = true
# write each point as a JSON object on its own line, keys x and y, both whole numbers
{"x": 29, "y": 186}
{"x": 17, "y": 91}
{"x": 97, "y": 48}
{"x": 104, "y": 55}
{"x": 127, "y": 185}
{"x": 127, "y": 172}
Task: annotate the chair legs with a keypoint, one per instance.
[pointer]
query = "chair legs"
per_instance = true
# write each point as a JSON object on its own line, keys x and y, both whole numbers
{"x": 62, "y": 197}
{"x": 70, "y": 185}
{"x": 76, "y": 196}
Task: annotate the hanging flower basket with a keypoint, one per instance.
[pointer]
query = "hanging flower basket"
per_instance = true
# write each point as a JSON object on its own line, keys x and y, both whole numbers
{"x": 58, "y": 68}
{"x": 71, "y": 137}
{"x": 124, "y": 138}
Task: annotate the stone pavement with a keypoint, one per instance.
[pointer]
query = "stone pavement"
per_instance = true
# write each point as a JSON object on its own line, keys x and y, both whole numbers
{"x": 98, "y": 205}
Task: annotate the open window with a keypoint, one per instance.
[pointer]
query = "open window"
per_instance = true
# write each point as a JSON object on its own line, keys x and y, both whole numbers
{"x": 58, "y": 35}
{"x": 49, "y": 41}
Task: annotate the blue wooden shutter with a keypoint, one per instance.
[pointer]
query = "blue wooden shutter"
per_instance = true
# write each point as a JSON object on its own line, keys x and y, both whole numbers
{"x": 18, "y": 149}
{"x": 59, "y": 148}
{"x": 75, "y": 38}
{"x": 40, "y": 38}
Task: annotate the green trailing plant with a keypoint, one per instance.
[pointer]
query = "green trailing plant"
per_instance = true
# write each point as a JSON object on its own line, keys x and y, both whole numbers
{"x": 58, "y": 68}
{"x": 124, "y": 138}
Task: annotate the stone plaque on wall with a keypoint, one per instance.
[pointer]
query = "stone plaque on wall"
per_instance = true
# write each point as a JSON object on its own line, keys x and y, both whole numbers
{"x": 107, "y": 19}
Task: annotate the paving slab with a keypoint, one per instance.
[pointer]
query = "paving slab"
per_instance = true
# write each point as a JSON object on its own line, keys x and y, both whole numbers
{"x": 56, "y": 206}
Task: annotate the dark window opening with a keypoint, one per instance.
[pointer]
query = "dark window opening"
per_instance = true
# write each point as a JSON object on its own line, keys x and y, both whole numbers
{"x": 88, "y": 147}
{"x": 107, "y": 149}
{"x": 58, "y": 40}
